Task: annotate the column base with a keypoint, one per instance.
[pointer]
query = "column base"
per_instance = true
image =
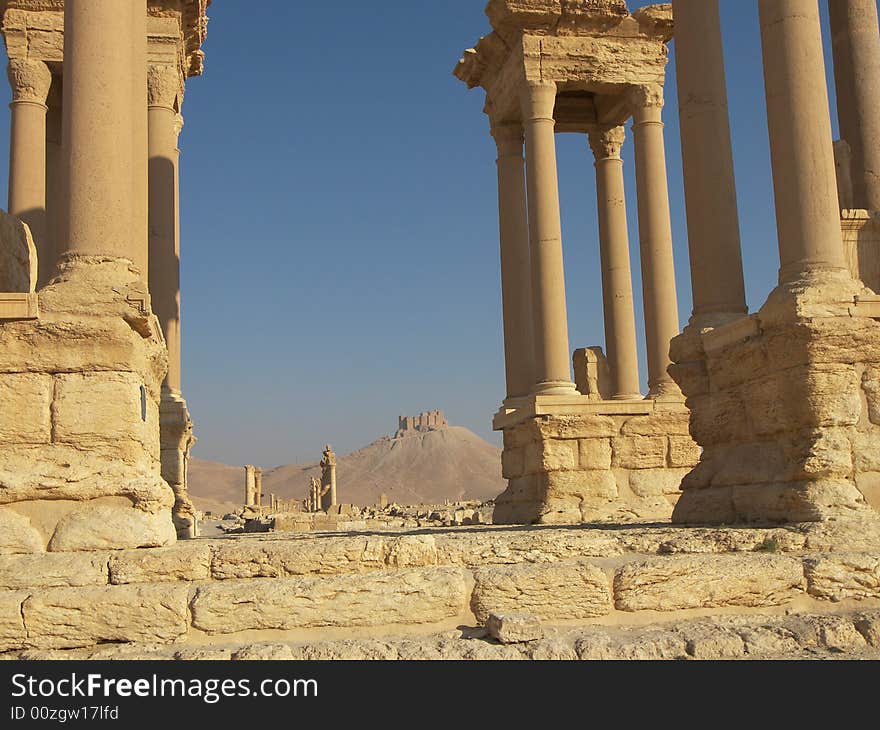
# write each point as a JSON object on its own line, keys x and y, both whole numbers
{"x": 555, "y": 388}
{"x": 176, "y": 434}
{"x": 786, "y": 405}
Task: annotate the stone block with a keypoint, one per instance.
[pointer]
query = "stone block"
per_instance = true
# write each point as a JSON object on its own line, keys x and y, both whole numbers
{"x": 811, "y": 501}
{"x": 837, "y": 576}
{"x": 12, "y": 632}
{"x": 182, "y": 562}
{"x": 683, "y": 452}
{"x": 102, "y": 527}
{"x": 595, "y": 453}
{"x": 513, "y": 463}
{"x": 639, "y": 452}
{"x": 658, "y": 424}
{"x": 75, "y": 617}
{"x": 656, "y": 482}
{"x": 839, "y": 634}
{"x": 99, "y": 408}
{"x": 18, "y": 535}
{"x": 18, "y": 256}
{"x": 49, "y": 570}
{"x": 718, "y": 418}
{"x": 25, "y": 402}
{"x": 561, "y": 591}
{"x": 708, "y": 506}
{"x": 868, "y": 625}
{"x": 514, "y": 628}
{"x": 551, "y": 455}
{"x": 700, "y": 581}
{"x": 871, "y": 387}
{"x": 416, "y": 596}
{"x": 648, "y": 645}
{"x": 580, "y": 484}
{"x": 575, "y": 427}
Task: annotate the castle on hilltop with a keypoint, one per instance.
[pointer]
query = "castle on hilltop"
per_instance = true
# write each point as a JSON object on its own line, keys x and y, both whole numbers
{"x": 423, "y": 423}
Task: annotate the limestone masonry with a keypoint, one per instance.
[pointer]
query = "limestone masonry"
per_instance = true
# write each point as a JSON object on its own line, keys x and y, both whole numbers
{"x": 726, "y": 507}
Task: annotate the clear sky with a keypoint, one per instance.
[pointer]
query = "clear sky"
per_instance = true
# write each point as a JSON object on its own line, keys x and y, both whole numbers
{"x": 339, "y": 222}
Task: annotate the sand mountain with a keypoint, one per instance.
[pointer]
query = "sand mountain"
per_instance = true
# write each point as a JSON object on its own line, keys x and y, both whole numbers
{"x": 451, "y": 463}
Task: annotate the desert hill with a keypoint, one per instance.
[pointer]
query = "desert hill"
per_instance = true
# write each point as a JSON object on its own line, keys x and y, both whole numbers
{"x": 449, "y": 463}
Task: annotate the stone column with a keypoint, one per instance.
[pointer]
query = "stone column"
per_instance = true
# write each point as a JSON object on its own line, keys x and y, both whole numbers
{"x": 617, "y": 295}
{"x": 856, "y": 45}
{"x": 54, "y": 181}
{"x": 258, "y": 486}
{"x": 550, "y": 320}
{"x": 655, "y": 238}
{"x": 807, "y": 212}
{"x": 98, "y": 115}
{"x": 139, "y": 139}
{"x": 516, "y": 282}
{"x": 250, "y": 486}
{"x": 710, "y": 191}
{"x": 30, "y": 81}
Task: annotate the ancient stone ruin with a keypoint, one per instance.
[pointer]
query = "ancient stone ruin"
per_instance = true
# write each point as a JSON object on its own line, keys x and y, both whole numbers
{"x": 423, "y": 423}
{"x": 755, "y": 437}
{"x": 596, "y": 448}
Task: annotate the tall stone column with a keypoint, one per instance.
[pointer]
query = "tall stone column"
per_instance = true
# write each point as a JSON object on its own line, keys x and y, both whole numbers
{"x": 617, "y": 295}
{"x": 655, "y": 238}
{"x": 856, "y": 45}
{"x": 710, "y": 191}
{"x": 250, "y": 486}
{"x": 163, "y": 86}
{"x": 258, "y": 485}
{"x": 98, "y": 114}
{"x": 550, "y": 319}
{"x": 807, "y": 213}
{"x": 516, "y": 282}
{"x": 139, "y": 138}
{"x": 54, "y": 180}
{"x": 30, "y": 81}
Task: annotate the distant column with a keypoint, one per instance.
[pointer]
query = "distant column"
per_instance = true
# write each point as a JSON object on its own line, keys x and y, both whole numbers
{"x": 258, "y": 486}
{"x": 617, "y": 295}
{"x": 655, "y": 238}
{"x": 250, "y": 486}
{"x": 856, "y": 45}
{"x": 550, "y": 319}
{"x": 710, "y": 191}
{"x": 139, "y": 139}
{"x": 516, "y": 283}
{"x": 30, "y": 81}
{"x": 804, "y": 180}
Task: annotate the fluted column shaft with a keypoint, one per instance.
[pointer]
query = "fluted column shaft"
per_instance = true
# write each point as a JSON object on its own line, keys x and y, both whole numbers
{"x": 655, "y": 237}
{"x": 516, "y": 283}
{"x": 710, "y": 190}
{"x": 98, "y": 115}
{"x": 164, "y": 86}
{"x": 804, "y": 178}
{"x": 617, "y": 294}
{"x": 30, "y": 81}
{"x": 856, "y": 44}
{"x": 552, "y": 368}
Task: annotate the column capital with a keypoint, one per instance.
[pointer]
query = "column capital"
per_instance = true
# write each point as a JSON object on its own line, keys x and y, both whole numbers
{"x": 163, "y": 86}
{"x": 606, "y": 141}
{"x": 509, "y": 138}
{"x": 30, "y": 80}
{"x": 538, "y": 100}
{"x": 646, "y": 101}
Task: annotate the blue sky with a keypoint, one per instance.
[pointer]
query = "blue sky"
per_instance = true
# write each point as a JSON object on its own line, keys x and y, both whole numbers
{"x": 339, "y": 222}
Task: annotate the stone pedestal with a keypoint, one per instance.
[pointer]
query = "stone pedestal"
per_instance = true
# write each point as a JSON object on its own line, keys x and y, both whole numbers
{"x": 861, "y": 244}
{"x": 608, "y": 461}
{"x": 785, "y": 405}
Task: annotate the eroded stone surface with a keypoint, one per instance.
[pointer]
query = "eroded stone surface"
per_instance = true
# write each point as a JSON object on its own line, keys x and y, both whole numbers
{"x": 843, "y": 575}
{"x": 667, "y": 584}
{"x": 405, "y": 596}
{"x": 102, "y": 527}
{"x": 183, "y": 562}
{"x": 81, "y": 617}
{"x": 558, "y": 591}
{"x": 49, "y": 570}
{"x": 17, "y": 535}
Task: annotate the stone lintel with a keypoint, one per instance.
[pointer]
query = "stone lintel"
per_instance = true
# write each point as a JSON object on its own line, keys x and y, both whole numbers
{"x": 514, "y": 412}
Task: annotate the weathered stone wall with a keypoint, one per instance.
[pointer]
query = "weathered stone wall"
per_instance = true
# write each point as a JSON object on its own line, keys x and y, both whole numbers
{"x": 204, "y": 593}
{"x": 570, "y": 469}
{"x": 785, "y": 405}
{"x": 79, "y": 412}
